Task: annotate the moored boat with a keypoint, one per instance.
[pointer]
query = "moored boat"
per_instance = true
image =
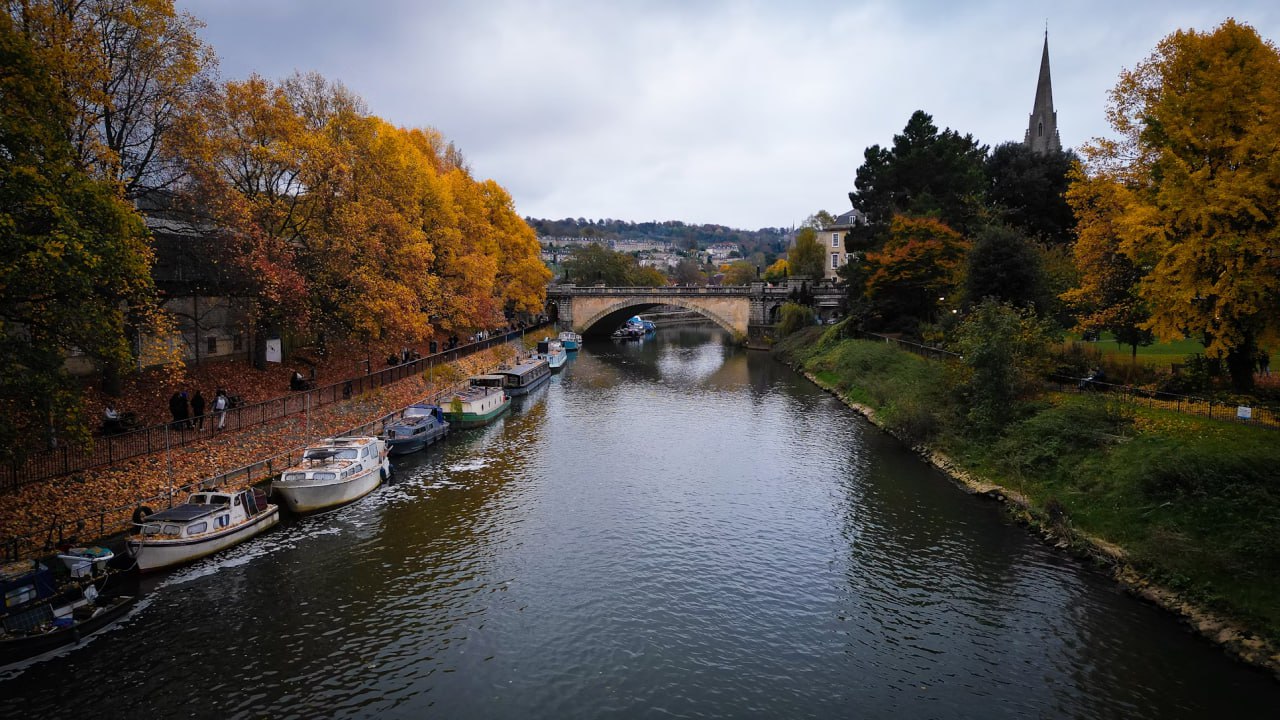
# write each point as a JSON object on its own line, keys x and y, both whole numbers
{"x": 479, "y": 404}
{"x": 526, "y": 376}
{"x": 207, "y": 522}
{"x": 419, "y": 426}
{"x": 338, "y": 471}
{"x": 553, "y": 352}
{"x": 570, "y": 340}
{"x": 42, "y": 614}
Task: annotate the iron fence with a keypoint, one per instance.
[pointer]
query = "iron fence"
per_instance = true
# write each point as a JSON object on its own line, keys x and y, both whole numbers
{"x": 1189, "y": 404}
{"x": 114, "y": 521}
{"x": 107, "y": 450}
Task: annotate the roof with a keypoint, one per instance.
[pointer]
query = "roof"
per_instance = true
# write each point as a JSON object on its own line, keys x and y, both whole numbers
{"x": 848, "y": 219}
{"x": 183, "y": 513}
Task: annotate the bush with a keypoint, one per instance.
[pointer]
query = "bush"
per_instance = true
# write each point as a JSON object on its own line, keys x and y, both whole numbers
{"x": 793, "y": 317}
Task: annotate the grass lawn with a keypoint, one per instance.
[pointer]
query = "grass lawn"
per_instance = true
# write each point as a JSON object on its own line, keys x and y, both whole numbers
{"x": 1159, "y": 353}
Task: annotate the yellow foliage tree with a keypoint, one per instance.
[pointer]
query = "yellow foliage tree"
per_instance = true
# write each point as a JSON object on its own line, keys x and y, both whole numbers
{"x": 1197, "y": 158}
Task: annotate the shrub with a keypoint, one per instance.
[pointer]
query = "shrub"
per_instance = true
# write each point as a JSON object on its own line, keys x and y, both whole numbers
{"x": 793, "y": 317}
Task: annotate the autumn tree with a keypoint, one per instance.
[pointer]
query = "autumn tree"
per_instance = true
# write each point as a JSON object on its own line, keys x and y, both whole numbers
{"x": 807, "y": 257}
{"x": 910, "y": 279}
{"x": 646, "y": 276}
{"x": 75, "y": 263}
{"x": 1106, "y": 297}
{"x": 128, "y": 70}
{"x": 778, "y": 271}
{"x": 1197, "y": 123}
{"x": 924, "y": 173}
{"x": 739, "y": 273}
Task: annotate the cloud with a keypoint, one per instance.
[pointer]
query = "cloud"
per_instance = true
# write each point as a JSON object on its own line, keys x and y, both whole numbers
{"x": 740, "y": 113}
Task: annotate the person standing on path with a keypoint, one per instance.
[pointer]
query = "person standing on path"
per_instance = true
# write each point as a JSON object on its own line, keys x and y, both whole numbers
{"x": 220, "y": 407}
{"x": 179, "y": 409}
{"x": 197, "y": 410}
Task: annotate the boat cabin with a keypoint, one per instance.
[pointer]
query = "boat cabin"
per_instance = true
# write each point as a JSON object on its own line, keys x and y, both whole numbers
{"x": 204, "y": 512}
{"x": 525, "y": 376}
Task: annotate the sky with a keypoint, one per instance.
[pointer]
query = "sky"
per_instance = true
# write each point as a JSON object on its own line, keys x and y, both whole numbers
{"x": 745, "y": 114}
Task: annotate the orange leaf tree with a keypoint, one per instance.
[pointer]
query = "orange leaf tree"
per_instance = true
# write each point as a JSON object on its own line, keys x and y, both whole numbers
{"x": 908, "y": 280}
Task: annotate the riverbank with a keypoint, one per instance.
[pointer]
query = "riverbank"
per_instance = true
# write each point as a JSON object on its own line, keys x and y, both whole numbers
{"x": 104, "y": 498}
{"x": 1182, "y": 511}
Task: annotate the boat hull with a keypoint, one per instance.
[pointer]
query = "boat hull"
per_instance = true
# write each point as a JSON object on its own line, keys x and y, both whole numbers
{"x": 23, "y": 648}
{"x": 471, "y": 420}
{"x": 405, "y": 446}
{"x": 152, "y": 555}
{"x": 312, "y": 496}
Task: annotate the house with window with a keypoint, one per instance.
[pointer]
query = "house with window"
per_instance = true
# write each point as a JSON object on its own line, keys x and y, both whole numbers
{"x": 835, "y": 240}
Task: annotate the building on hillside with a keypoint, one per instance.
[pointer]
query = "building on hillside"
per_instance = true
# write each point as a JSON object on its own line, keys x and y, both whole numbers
{"x": 835, "y": 240}
{"x": 721, "y": 252}
{"x": 1042, "y": 127}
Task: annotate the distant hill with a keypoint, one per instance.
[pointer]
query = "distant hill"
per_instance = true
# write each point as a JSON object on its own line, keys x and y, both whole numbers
{"x": 769, "y": 241}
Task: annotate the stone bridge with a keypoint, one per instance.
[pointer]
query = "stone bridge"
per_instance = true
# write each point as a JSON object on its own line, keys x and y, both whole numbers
{"x": 747, "y": 311}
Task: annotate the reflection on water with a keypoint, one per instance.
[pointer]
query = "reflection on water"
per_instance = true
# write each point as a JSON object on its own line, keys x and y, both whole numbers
{"x": 669, "y": 527}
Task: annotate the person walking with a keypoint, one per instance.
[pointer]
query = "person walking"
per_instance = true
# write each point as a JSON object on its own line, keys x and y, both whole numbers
{"x": 197, "y": 410}
{"x": 220, "y": 403}
{"x": 179, "y": 409}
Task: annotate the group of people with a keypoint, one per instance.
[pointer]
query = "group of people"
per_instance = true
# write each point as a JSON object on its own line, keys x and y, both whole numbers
{"x": 189, "y": 411}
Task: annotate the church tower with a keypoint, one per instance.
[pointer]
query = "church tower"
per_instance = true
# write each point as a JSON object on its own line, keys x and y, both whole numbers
{"x": 1042, "y": 130}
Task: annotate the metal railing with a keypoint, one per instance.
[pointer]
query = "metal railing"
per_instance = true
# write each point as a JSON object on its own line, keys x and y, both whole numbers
{"x": 110, "y": 449}
{"x": 114, "y": 521}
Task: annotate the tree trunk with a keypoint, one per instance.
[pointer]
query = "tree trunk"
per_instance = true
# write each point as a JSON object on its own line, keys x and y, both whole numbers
{"x": 1240, "y": 366}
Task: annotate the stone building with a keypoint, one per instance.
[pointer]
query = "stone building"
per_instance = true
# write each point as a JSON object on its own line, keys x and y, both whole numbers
{"x": 1042, "y": 128}
{"x": 835, "y": 240}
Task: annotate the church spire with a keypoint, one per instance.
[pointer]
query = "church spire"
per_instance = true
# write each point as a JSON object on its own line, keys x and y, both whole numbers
{"x": 1042, "y": 130}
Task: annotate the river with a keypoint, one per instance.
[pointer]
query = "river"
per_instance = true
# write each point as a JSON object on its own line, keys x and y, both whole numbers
{"x": 672, "y": 528}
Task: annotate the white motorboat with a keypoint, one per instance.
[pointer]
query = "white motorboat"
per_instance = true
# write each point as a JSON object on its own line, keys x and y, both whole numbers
{"x": 207, "y": 522}
{"x": 338, "y": 471}
{"x": 553, "y": 352}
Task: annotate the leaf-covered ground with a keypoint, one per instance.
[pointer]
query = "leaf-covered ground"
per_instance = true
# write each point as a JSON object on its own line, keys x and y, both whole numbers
{"x": 105, "y": 497}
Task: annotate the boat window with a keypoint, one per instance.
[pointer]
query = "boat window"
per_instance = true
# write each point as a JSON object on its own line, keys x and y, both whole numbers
{"x": 171, "y": 530}
{"x": 219, "y": 500}
{"x": 324, "y": 476}
{"x": 236, "y": 502}
{"x": 198, "y": 499}
{"x": 288, "y": 477}
{"x": 348, "y": 454}
{"x": 150, "y": 529}
{"x": 197, "y": 528}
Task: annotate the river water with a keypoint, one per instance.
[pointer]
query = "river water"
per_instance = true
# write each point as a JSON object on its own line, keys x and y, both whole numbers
{"x": 672, "y": 528}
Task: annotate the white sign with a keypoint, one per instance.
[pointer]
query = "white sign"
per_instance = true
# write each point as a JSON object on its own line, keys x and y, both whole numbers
{"x": 1244, "y": 413}
{"x": 273, "y": 350}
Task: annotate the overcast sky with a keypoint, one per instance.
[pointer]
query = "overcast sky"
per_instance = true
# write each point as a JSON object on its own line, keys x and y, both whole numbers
{"x": 747, "y": 114}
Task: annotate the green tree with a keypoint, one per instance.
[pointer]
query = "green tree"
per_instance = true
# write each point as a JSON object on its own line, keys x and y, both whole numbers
{"x": 74, "y": 257}
{"x": 1027, "y": 191}
{"x": 925, "y": 173}
{"x": 793, "y": 317}
{"x": 807, "y": 257}
{"x": 1004, "y": 353}
{"x": 1004, "y": 265}
{"x": 595, "y": 264}
{"x": 687, "y": 272}
{"x": 1196, "y": 161}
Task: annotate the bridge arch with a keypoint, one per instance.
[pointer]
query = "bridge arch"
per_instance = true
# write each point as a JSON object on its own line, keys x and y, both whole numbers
{"x": 606, "y": 320}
